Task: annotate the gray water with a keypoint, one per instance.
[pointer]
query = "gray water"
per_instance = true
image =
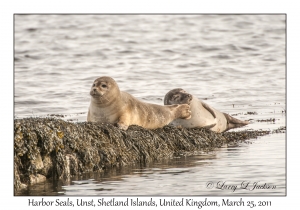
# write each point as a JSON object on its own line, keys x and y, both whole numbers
{"x": 235, "y": 63}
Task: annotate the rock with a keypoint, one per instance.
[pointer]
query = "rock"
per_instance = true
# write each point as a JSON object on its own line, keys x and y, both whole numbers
{"x": 36, "y": 179}
{"x": 48, "y": 166}
{"x": 38, "y": 162}
{"x": 54, "y": 148}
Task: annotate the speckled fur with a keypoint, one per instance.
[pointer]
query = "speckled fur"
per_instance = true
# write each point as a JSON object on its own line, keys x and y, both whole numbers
{"x": 203, "y": 115}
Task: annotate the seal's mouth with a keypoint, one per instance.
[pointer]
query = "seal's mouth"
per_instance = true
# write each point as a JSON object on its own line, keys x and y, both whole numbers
{"x": 95, "y": 94}
{"x": 189, "y": 99}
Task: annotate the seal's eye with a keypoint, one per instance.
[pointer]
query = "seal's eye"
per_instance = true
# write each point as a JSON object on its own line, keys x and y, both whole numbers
{"x": 104, "y": 86}
{"x": 175, "y": 97}
{"x": 94, "y": 85}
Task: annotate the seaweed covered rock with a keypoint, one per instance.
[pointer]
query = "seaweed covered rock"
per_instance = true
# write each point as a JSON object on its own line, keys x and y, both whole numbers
{"x": 49, "y": 147}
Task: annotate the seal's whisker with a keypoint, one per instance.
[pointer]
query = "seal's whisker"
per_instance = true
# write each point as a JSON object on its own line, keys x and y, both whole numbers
{"x": 105, "y": 99}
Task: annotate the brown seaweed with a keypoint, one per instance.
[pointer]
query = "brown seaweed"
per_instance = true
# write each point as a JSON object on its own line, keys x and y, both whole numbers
{"x": 54, "y": 148}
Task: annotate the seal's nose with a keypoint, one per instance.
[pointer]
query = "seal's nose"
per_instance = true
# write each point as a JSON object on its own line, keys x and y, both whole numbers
{"x": 188, "y": 96}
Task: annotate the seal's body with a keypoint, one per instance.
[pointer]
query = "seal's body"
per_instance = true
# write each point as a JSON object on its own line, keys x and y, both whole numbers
{"x": 202, "y": 114}
{"x": 110, "y": 105}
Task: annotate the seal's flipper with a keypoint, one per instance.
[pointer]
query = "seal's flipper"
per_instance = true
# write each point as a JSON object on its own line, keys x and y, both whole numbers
{"x": 208, "y": 108}
{"x": 209, "y": 126}
{"x": 233, "y": 122}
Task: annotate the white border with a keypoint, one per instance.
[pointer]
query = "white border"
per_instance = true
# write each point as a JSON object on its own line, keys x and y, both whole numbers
{"x": 8, "y": 8}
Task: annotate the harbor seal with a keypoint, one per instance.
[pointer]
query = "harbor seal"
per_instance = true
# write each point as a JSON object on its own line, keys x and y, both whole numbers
{"x": 110, "y": 105}
{"x": 202, "y": 114}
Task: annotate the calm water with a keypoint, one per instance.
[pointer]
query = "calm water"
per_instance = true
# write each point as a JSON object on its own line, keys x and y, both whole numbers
{"x": 236, "y": 63}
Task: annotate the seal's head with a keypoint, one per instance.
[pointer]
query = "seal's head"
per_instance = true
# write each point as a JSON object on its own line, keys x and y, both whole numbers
{"x": 104, "y": 89}
{"x": 177, "y": 96}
